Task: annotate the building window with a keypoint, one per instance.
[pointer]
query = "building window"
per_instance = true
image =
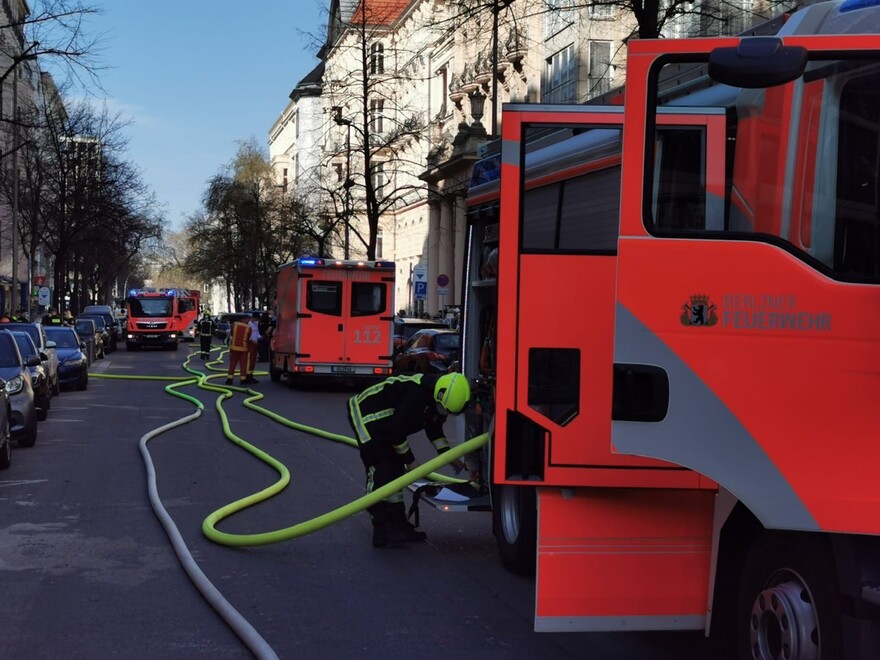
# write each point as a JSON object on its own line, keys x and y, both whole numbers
{"x": 377, "y": 109}
{"x": 558, "y": 15}
{"x": 560, "y": 77}
{"x": 379, "y": 179}
{"x": 443, "y": 74}
{"x": 600, "y": 67}
{"x": 602, "y": 11}
{"x": 337, "y": 167}
{"x": 377, "y": 58}
{"x": 379, "y": 244}
{"x": 284, "y": 180}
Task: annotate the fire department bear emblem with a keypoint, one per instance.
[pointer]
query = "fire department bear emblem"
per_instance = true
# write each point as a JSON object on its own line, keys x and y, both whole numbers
{"x": 699, "y": 311}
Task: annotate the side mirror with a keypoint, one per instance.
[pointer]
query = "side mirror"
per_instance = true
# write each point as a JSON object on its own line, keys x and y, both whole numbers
{"x": 43, "y": 356}
{"x": 82, "y": 346}
{"x": 757, "y": 62}
{"x": 33, "y": 361}
{"x": 51, "y": 344}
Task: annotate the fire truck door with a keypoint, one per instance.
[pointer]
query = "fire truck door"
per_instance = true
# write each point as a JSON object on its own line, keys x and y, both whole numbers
{"x": 320, "y": 320}
{"x": 368, "y": 328}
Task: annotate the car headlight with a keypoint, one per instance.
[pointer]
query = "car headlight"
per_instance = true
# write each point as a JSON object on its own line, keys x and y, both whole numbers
{"x": 14, "y": 385}
{"x": 74, "y": 361}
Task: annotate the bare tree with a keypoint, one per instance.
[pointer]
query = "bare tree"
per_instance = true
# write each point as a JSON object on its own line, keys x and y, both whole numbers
{"x": 243, "y": 234}
{"x": 377, "y": 148}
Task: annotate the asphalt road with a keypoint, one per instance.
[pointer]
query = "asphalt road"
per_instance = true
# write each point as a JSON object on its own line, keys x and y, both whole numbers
{"x": 87, "y": 571}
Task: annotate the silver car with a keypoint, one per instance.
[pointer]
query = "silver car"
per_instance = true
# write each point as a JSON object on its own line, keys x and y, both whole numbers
{"x": 45, "y": 347}
{"x": 15, "y": 371}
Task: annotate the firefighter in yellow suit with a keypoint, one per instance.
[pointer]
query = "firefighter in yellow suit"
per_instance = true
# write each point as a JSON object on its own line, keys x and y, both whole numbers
{"x": 239, "y": 336}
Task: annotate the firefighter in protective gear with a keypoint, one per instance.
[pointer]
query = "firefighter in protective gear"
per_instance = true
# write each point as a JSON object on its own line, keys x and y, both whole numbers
{"x": 205, "y": 329}
{"x": 382, "y": 417}
{"x": 239, "y": 335}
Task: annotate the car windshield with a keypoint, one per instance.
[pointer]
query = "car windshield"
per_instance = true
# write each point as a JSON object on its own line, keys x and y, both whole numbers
{"x": 25, "y": 344}
{"x": 99, "y": 322}
{"x": 85, "y": 327}
{"x": 32, "y": 330}
{"x": 63, "y": 338}
{"x": 446, "y": 343}
{"x": 8, "y": 355}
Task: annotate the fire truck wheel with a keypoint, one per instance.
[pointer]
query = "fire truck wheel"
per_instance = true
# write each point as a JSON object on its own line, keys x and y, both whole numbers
{"x": 515, "y": 523}
{"x": 788, "y": 604}
{"x": 274, "y": 372}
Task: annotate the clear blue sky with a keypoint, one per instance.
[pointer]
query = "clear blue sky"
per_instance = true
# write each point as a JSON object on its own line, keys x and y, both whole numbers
{"x": 197, "y": 76}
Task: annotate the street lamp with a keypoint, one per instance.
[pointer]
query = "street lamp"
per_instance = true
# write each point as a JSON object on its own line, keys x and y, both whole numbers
{"x": 340, "y": 121}
{"x": 497, "y": 6}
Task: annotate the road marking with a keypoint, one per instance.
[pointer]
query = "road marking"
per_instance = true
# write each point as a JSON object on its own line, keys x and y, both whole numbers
{"x": 22, "y": 482}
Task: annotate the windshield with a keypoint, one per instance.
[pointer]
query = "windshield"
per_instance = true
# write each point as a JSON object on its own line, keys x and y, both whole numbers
{"x": 32, "y": 331}
{"x": 801, "y": 166}
{"x": 62, "y": 337}
{"x": 150, "y": 307}
{"x": 85, "y": 327}
{"x": 25, "y": 344}
{"x": 9, "y": 357}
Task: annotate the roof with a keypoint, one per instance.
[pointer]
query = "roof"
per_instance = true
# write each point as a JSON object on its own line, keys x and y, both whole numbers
{"x": 379, "y": 12}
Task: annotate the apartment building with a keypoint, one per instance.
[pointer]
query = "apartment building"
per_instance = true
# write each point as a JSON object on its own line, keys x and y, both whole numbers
{"x": 407, "y": 101}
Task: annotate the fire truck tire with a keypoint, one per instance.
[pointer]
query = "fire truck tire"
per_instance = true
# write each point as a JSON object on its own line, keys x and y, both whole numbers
{"x": 789, "y": 604}
{"x": 274, "y": 372}
{"x": 515, "y": 524}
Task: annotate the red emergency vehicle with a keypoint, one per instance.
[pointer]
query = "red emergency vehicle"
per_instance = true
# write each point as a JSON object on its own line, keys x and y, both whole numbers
{"x": 334, "y": 319}
{"x": 157, "y": 317}
{"x": 680, "y": 378}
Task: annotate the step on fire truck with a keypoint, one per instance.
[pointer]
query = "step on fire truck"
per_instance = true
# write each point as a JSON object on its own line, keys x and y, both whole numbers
{"x": 680, "y": 379}
{"x": 334, "y": 320}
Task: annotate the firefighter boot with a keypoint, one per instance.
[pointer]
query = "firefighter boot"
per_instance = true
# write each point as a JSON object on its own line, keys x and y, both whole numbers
{"x": 401, "y": 530}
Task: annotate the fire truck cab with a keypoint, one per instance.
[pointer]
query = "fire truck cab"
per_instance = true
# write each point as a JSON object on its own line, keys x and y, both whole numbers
{"x": 695, "y": 448}
{"x": 334, "y": 319}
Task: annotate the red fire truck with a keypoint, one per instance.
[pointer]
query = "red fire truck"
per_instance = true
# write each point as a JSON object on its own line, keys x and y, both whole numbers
{"x": 679, "y": 378}
{"x": 334, "y": 319}
{"x": 157, "y": 317}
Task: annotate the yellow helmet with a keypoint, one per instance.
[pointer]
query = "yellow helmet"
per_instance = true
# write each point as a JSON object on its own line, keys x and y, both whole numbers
{"x": 452, "y": 392}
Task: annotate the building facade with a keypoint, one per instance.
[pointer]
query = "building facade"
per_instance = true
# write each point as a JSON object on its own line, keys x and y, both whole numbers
{"x": 408, "y": 101}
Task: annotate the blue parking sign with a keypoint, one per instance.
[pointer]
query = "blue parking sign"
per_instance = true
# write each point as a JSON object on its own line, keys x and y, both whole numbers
{"x": 421, "y": 290}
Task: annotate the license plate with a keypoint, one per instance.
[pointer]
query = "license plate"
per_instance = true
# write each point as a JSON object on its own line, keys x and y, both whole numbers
{"x": 152, "y": 336}
{"x": 342, "y": 369}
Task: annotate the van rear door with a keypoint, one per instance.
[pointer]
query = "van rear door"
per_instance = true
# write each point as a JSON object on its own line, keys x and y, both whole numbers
{"x": 320, "y": 321}
{"x": 369, "y": 329}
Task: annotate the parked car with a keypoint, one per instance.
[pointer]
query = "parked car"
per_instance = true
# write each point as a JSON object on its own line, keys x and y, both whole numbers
{"x": 45, "y": 347}
{"x": 5, "y": 433}
{"x": 87, "y": 330}
{"x": 225, "y": 321}
{"x": 112, "y": 322}
{"x": 405, "y": 328}
{"x": 39, "y": 380}
{"x": 15, "y": 371}
{"x": 73, "y": 366}
{"x": 428, "y": 351}
{"x": 103, "y": 328}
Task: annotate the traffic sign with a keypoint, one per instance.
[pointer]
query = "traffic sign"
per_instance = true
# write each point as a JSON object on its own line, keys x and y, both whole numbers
{"x": 442, "y": 291}
{"x": 442, "y": 280}
{"x": 39, "y": 280}
{"x": 421, "y": 290}
{"x": 45, "y": 296}
{"x": 420, "y": 273}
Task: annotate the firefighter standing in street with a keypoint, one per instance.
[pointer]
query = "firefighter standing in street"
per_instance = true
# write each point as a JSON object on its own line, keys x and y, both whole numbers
{"x": 205, "y": 329}
{"x": 239, "y": 335}
{"x": 382, "y": 417}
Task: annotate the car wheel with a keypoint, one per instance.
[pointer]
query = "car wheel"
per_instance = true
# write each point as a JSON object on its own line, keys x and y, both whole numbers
{"x": 6, "y": 449}
{"x": 515, "y": 523}
{"x": 30, "y": 436}
{"x": 43, "y": 410}
{"x": 83, "y": 381}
